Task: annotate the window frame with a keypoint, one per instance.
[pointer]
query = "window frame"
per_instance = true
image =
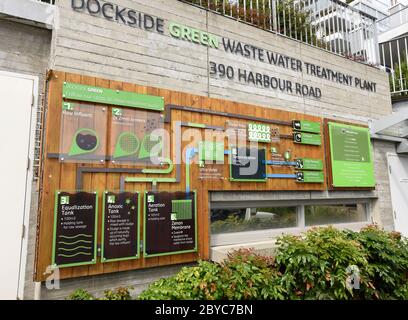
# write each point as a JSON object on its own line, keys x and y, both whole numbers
{"x": 267, "y": 235}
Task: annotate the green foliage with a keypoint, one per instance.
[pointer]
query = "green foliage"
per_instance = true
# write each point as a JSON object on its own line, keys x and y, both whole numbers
{"x": 316, "y": 265}
{"x": 387, "y": 255}
{"x": 117, "y": 294}
{"x": 244, "y": 275}
{"x": 80, "y": 294}
{"x": 399, "y": 80}
{"x": 248, "y": 276}
{"x": 291, "y": 19}
{"x": 202, "y": 282}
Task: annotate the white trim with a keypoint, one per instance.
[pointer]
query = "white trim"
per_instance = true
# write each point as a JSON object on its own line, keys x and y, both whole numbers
{"x": 29, "y": 177}
{"x": 248, "y": 237}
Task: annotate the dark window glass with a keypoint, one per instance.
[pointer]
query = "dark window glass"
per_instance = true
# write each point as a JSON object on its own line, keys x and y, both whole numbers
{"x": 331, "y": 214}
{"x": 237, "y": 220}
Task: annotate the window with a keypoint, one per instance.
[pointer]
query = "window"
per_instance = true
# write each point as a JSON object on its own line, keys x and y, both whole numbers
{"x": 332, "y": 214}
{"x": 250, "y": 219}
{"x": 262, "y": 221}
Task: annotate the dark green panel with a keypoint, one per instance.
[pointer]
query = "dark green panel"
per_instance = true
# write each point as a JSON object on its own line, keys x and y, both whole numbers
{"x": 309, "y": 164}
{"x": 310, "y": 176}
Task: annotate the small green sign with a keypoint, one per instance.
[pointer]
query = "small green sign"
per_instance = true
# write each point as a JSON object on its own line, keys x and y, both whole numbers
{"x": 310, "y": 176}
{"x": 259, "y": 132}
{"x": 351, "y": 157}
{"x": 306, "y": 126}
{"x": 309, "y": 164}
{"x": 211, "y": 151}
{"x": 307, "y": 138}
{"x": 81, "y": 92}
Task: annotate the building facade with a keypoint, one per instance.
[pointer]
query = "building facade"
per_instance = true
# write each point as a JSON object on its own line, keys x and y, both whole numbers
{"x": 200, "y": 70}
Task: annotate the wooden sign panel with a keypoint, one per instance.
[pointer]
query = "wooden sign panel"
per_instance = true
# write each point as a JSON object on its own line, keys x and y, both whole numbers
{"x": 170, "y": 223}
{"x": 248, "y": 164}
{"x": 75, "y": 221}
{"x": 120, "y": 226}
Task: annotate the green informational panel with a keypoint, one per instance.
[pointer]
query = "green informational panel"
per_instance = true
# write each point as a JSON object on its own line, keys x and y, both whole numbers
{"x": 259, "y": 132}
{"x": 211, "y": 151}
{"x": 83, "y": 133}
{"x": 120, "y": 226}
{"x": 170, "y": 223}
{"x": 135, "y": 136}
{"x": 307, "y": 138}
{"x": 351, "y": 157}
{"x": 306, "y": 126}
{"x": 310, "y": 176}
{"x": 75, "y": 228}
{"x": 81, "y": 92}
{"x": 309, "y": 164}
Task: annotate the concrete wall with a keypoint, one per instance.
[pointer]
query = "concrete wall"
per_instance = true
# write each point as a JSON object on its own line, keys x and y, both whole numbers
{"x": 92, "y": 45}
{"x": 96, "y": 285}
{"x": 382, "y": 207}
{"x": 24, "y": 49}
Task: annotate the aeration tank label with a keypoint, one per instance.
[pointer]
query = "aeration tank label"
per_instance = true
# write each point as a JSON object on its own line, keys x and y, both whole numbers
{"x": 170, "y": 223}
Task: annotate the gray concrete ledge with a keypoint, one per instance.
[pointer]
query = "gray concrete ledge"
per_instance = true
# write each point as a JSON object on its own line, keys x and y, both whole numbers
{"x": 31, "y": 12}
{"x": 235, "y": 199}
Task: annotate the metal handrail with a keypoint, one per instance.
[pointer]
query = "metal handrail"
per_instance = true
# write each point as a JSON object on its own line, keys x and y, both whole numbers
{"x": 330, "y": 25}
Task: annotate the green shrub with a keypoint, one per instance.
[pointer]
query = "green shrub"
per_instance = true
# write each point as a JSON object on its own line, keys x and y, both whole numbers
{"x": 117, "y": 294}
{"x": 202, "y": 282}
{"x": 80, "y": 294}
{"x": 244, "y": 275}
{"x": 387, "y": 255}
{"x": 314, "y": 266}
{"x": 248, "y": 275}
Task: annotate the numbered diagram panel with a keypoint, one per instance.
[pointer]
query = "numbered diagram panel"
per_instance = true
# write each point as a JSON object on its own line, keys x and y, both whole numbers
{"x": 83, "y": 133}
{"x": 75, "y": 222}
{"x": 120, "y": 226}
{"x": 170, "y": 223}
{"x": 137, "y": 136}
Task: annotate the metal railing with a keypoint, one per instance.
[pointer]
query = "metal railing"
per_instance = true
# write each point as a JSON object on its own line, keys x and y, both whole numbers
{"x": 393, "y": 46}
{"x": 330, "y": 25}
{"x": 46, "y": 1}
{"x": 393, "y": 55}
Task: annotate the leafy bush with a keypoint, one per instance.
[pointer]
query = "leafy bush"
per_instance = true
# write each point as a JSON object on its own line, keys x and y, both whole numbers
{"x": 80, "y": 294}
{"x": 116, "y": 294}
{"x": 315, "y": 266}
{"x": 244, "y": 275}
{"x": 387, "y": 255}
{"x": 320, "y": 264}
{"x": 201, "y": 282}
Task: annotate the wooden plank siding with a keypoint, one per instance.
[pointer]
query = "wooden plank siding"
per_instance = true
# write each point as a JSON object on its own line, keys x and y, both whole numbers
{"x": 62, "y": 175}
